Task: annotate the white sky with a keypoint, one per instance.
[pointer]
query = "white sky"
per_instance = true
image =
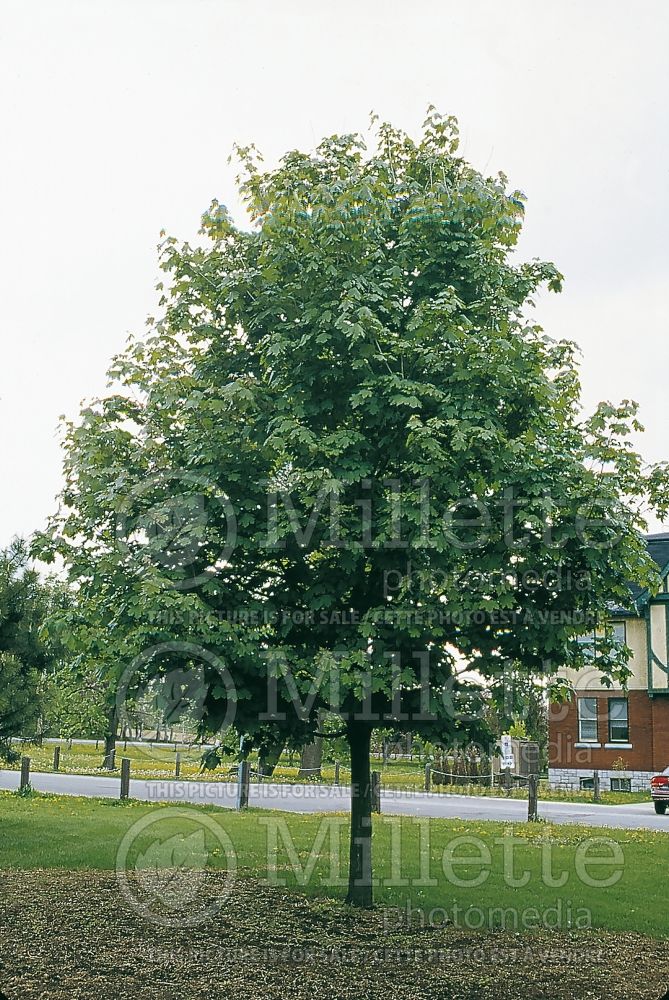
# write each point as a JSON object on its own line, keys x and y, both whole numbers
{"x": 117, "y": 118}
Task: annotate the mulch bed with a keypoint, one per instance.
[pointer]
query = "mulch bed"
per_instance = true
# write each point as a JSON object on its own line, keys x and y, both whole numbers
{"x": 73, "y": 935}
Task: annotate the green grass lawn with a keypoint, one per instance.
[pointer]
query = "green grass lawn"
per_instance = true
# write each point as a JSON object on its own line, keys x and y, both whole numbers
{"x": 159, "y": 763}
{"x": 60, "y": 832}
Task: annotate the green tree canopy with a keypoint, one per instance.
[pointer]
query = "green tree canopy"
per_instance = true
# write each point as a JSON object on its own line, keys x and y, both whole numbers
{"x": 347, "y": 460}
{"x": 25, "y": 654}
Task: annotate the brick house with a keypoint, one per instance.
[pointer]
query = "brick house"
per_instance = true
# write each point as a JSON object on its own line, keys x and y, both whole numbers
{"x": 623, "y": 734}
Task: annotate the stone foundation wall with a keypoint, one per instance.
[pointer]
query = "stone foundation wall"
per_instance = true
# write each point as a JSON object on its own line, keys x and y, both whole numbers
{"x": 569, "y": 778}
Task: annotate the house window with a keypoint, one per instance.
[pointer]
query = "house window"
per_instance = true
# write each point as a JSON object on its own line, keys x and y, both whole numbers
{"x": 588, "y": 644}
{"x": 619, "y": 633}
{"x": 587, "y": 720}
{"x": 616, "y": 632}
{"x": 619, "y": 730}
{"x": 587, "y": 784}
{"x": 621, "y": 784}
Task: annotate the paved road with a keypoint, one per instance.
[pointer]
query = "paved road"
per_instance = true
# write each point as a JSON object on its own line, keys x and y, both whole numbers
{"x": 329, "y": 798}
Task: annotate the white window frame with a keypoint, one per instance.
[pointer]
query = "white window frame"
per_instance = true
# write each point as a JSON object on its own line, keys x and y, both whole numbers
{"x": 618, "y": 739}
{"x": 581, "y": 720}
{"x": 621, "y": 626}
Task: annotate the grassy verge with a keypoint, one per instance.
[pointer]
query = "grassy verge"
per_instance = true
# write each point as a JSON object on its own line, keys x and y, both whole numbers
{"x": 569, "y": 875}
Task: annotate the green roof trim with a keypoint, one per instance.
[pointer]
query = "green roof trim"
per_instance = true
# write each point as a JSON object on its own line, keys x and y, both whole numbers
{"x": 658, "y": 549}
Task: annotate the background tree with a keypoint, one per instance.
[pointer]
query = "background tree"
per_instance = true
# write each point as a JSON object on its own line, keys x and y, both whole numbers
{"x": 25, "y": 655}
{"x": 76, "y": 700}
{"x": 356, "y": 378}
{"x": 519, "y": 704}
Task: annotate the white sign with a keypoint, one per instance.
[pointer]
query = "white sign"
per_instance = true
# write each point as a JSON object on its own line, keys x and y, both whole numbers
{"x": 506, "y": 753}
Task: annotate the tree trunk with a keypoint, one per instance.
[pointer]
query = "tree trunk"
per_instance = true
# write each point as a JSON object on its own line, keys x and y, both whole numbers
{"x": 110, "y": 735}
{"x": 360, "y": 868}
{"x": 311, "y": 759}
{"x": 268, "y": 759}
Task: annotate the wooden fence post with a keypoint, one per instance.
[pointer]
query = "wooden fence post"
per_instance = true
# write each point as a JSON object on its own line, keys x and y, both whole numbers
{"x": 56, "y": 758}
{"x": 376, "y": 791}
{"x": 595, "y": 787}
{"x": 428, "y": 777}
{"x": 243, "y": 785}
{"x": 125, "y": 777}
{"x": 177, "y": 765}
{"x": 532, "y": 798}
{"x": 508, "y": 780}
{"x": 25, "y": 773}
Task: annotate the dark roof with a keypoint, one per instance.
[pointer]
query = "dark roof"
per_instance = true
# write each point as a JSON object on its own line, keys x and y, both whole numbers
{"x": 658, "y": 548}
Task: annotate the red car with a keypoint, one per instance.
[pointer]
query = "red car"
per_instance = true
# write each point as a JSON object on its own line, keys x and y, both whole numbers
{"x": 659, "y": 790}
